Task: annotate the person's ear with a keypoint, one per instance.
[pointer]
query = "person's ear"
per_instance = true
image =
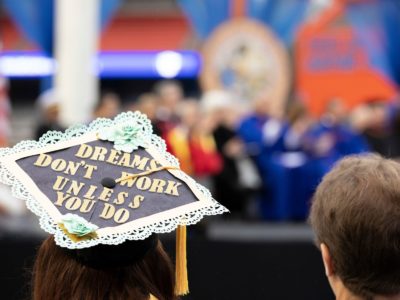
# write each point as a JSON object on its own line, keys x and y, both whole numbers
{"x": 327, "y": 259}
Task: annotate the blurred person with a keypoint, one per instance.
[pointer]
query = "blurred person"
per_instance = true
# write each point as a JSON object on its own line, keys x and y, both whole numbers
{"x": 49, "y": 107}
{"x": 8, "y": 204}
{"x": 170, "y": 94}
{"x": 178, "y": 138}
{"x": 299, "y": 123}
{"x": 262, "y": 132}
{"x": 289, "y": 170}
{"x": 108, "y": 107}
{"x": 147, "y": 103}
{"x": 333, "y": 137}
{"x": 360, "y": 118}
{"x": 5, "y": 108}
{"x": 238, "y": 179}
{"x": 5, "y": 111}
{"x": 262, "y": 128}
{"x": 380, "y": 132}
{"x": 191, "y": 141}
{"x": 356, "y": 219}
{"x": 292, "y": 166}
{"x": 335, "y": 112}
{"x": 329, "y": 130}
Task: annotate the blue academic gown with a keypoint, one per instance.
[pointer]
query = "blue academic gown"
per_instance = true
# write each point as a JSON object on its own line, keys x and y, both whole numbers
{"x": 272, "y": 203}
{"x": 287, "y": 190}
{"x": 346, "y": 142}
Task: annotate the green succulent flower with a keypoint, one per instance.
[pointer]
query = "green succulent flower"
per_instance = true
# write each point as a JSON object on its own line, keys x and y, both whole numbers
{"x": 126, "y": 137}
{"x": 77, "y": 225}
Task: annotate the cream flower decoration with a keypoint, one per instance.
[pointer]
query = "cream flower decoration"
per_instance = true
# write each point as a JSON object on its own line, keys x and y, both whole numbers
{"x": 126, "y": 137}
{"x": 77, "y": 225}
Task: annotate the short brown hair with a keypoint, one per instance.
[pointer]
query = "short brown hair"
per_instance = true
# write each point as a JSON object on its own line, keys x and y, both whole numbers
{"x": 57, "y": 275}
{"x": 356, "y": 214}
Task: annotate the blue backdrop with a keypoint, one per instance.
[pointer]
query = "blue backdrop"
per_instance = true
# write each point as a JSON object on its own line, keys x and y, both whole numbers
{"x": 376, "y": 25}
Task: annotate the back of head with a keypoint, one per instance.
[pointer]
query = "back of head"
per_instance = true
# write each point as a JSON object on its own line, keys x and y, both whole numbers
{"x": 356, "y": 214}
{"x": 147, "y": 103}
{"x": 189, "y": 112}
{"x": 58, "y": 274}
{"x": 170, "y": 92}
{"x": 108, "y": 106}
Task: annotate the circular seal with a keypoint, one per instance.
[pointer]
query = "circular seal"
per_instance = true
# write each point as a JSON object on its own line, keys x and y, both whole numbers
{"x": 244, "y": 57}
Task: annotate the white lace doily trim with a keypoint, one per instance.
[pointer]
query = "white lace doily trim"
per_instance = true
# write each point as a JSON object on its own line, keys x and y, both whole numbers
{"x": 49, "y": 225}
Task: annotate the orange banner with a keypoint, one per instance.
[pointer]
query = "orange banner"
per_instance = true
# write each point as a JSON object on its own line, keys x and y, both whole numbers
{"x": 332, "y": 63}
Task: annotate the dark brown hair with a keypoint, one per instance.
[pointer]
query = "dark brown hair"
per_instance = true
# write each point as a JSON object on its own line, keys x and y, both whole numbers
{"x": 57, "y": 275}
{"x": 356, "y": 213}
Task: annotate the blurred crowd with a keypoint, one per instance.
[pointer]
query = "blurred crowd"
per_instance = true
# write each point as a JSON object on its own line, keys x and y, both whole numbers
{"x": 259, "y": 163}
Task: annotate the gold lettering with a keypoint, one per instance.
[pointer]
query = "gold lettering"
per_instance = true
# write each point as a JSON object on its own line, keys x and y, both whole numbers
{"x": 125, "y": 160}
{"x": 84, "y": 151}
{"x": 120, "y": 198}
{"x": 143, "y": 183}
{"x": 139, "y": 162}
{"x": 43, "y": 160}
{"x": 130, "y": 182}
{"x": 136, "y": 201}
{"x": 153, "y": 165}
{"x": 73, "y": 203}
{"x": 121, "y": 216}
{"x": 99, "y": 153}
{"x": 108, "y": 211}
{"x": 58, "y": 165}
{"x": 172, "y": 188}
{"x": 113, "y": 157}
{"x": 60, "y": 183}
{"x": 157, "y": 186}
{"x": 89, "y": 171}
{"x": 72, "y": 168}
{"x": 105, "y": 194}
{"x": 75, "y": 187}
{"x": 90, "y": 191}
{"x": 87, "y": 205}
{"x": 61, "y": 198}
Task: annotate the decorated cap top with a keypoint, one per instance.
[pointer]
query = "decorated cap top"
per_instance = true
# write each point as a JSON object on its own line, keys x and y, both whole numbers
{"x": 104, "y": 183}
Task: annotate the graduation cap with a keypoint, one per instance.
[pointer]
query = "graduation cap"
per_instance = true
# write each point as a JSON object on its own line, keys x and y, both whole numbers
{"x": 106, "y": 183}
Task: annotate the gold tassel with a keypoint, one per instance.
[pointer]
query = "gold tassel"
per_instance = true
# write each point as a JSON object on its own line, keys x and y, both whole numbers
{"x": 181, "y": 276}
{"x": 152, "y": 297}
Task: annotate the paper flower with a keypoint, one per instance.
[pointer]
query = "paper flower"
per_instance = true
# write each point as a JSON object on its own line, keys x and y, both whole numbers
{"x": 126, "y": 137}
{"x": 77, "y": 225}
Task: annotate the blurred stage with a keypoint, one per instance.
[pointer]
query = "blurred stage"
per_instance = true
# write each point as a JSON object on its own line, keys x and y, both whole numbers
{"x": 233, "y": 261}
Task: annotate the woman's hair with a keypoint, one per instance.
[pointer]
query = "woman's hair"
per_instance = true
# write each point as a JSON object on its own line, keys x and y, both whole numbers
{"x": 58, "y": 275}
